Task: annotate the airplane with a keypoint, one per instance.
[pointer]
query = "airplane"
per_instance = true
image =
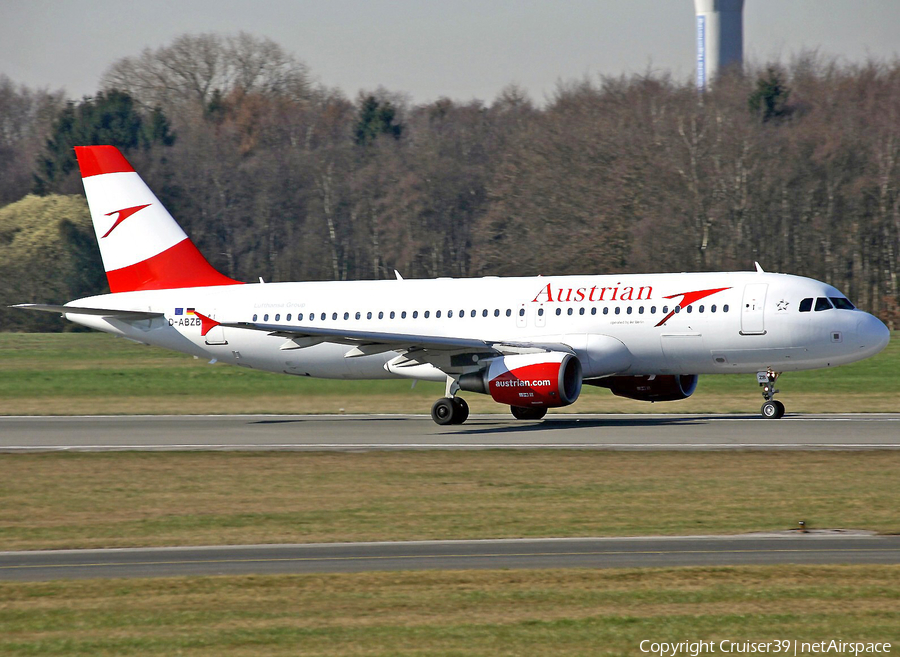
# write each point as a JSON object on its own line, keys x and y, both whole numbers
{"x": 529, "y": 342}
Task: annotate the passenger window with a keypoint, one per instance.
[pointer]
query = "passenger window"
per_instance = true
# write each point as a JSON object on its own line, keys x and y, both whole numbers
{"x": 369, "y": 315}
{"x": 677, "y": 309}
{"x": 266, "y": 317}
{"x": 581, "y": 310}
{"x": 484, "y": 313}
{"x": 806, "y": 305}
{"x": 571, "y": 310}
{"x": 652, "y": 310}
{"x": 427, "y": 314}
{"x": 333, "y": 315}
{"x": 822, "y": 304}
{"x": 380, "y": 314}
{"x": 346, "y": 315}
{"x": 449, "y": 313}
{"x": 700, "y": 309}
{"x": 605, "y": 310}
{"x": 618, "y": 310}
{"x": 393, "y": 314}
{"x": 521, "y": 312}
{"x": 473, "y": 313}
{"x": 665, "y": 309}
{"x": 496, "y": 312}
{"x": 403, "y": 315}
{"x": 437, "y": 314}
{"x": 725, "y": 308}
{"x": 641, "y": 310}
{"x": 323, "y": 317}
{"x": 712, "y": 308}
{"x": 540, "y": 312}
{"x": 559, "y": 311}
{"x": 842, "y": 304}
{"x": 628, "y": 310}
{"x": 254, "y": 317}
{"x": 594, "y": 310}
{"x": 690, "y": 309}
{"x": 357, "y": 315}
{"x": 509, "y": 312}
{"x": 415, "y": 314}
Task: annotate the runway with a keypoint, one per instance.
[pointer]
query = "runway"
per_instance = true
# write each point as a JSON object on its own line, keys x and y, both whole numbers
{"x": 452, "y": 555}
{"x": 391, "y": 432}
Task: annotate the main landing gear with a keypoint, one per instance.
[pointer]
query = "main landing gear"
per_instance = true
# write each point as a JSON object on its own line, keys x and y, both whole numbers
{"x": 772, "y": 409}
{"x": 450, "y": 409}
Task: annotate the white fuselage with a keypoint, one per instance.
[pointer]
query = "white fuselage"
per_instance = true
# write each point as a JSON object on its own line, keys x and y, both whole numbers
{"x": 743, "y": 322}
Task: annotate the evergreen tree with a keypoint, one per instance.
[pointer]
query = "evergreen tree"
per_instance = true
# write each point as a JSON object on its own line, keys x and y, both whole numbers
{"x": 376, "y": 118}
{"x": 770, "y": 99}
{"x": 109, "y": 119}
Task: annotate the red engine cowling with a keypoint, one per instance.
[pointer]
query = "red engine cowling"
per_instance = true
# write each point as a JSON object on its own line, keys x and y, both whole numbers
{"x": 546, "y": 380}
{"x": 666, "y": 387}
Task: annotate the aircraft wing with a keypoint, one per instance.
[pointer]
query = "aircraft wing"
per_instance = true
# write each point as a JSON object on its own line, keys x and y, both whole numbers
{"x": 127, "y": 315}
{"x": 372, "y": 342}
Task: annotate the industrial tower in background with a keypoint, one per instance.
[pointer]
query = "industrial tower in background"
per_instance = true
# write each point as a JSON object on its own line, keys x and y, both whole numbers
{"x": 720, "y": 37}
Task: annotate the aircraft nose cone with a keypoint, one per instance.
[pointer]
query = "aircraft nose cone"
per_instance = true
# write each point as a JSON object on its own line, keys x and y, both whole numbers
{"x": 872, "y": 334}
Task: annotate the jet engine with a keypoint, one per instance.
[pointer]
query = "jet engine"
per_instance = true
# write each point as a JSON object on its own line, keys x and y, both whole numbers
{"x": 666, "y": 387}
{"x": 544, "y": 380}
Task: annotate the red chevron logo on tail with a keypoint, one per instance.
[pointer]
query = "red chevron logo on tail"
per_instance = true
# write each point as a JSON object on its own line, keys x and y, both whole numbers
{"x": 123, "y": 215}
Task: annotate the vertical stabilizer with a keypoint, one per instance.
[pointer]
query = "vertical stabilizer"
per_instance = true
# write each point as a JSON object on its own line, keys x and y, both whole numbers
{"x": 142, "y": 246}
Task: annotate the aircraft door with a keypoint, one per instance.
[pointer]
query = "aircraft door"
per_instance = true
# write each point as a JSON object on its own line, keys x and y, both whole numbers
{"x": 753, "y": 309}
{"x": 540, "y": 315}
{"x": 521, "y": 316}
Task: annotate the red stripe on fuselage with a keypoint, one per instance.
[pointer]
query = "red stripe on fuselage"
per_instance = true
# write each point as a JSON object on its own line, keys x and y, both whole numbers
{"x": 180, "y": 266}
{"x": 97, "y": 160}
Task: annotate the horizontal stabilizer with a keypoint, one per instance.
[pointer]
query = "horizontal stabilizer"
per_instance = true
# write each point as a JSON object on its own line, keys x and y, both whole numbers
{"x": 128, "y": 315}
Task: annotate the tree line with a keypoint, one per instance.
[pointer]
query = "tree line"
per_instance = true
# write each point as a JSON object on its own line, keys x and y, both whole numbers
{"x": 795, "y": 165}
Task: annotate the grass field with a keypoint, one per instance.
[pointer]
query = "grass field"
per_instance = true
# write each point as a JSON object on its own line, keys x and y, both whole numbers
{"x": 134, "y": 499}
{"x": 549, "y": 612}
{"x": 175, "y": 498}
{"x": 94, "y": 373}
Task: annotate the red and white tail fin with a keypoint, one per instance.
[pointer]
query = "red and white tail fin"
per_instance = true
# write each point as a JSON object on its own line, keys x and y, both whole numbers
{"x": 142, "y": 246}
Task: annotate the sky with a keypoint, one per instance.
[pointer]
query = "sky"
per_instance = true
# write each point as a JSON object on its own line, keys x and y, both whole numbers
{"x": 427, "y": 49}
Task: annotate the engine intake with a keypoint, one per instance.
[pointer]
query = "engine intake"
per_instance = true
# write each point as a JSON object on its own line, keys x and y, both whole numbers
{"x": 546, "y": 380}
{"x": 666, "y": 387}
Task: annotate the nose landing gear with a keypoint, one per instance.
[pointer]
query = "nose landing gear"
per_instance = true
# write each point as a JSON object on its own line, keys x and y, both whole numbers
{"x": 772, "y": 409}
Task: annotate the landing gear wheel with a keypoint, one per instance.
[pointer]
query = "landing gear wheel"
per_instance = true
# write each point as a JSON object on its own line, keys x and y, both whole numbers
{"x": 772, "y": 410}
{"x": 443, "y": 411}
{"x": 528, "y": 412}
{"x": 460, "y": 410}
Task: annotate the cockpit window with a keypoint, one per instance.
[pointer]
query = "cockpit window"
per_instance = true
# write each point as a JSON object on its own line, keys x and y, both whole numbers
{"x": 823, "y": 304}
{"x": 842, "y": 304}
{"x": 806, "y": 305}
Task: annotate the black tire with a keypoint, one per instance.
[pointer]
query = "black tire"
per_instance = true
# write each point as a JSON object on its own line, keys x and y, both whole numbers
{"x": 780, "y": 409}
{"x": 772, "y": 410}
{"x": 528, "y": 412}
{"x": 461, "y": 411}
{"x": 443, "y": 411}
